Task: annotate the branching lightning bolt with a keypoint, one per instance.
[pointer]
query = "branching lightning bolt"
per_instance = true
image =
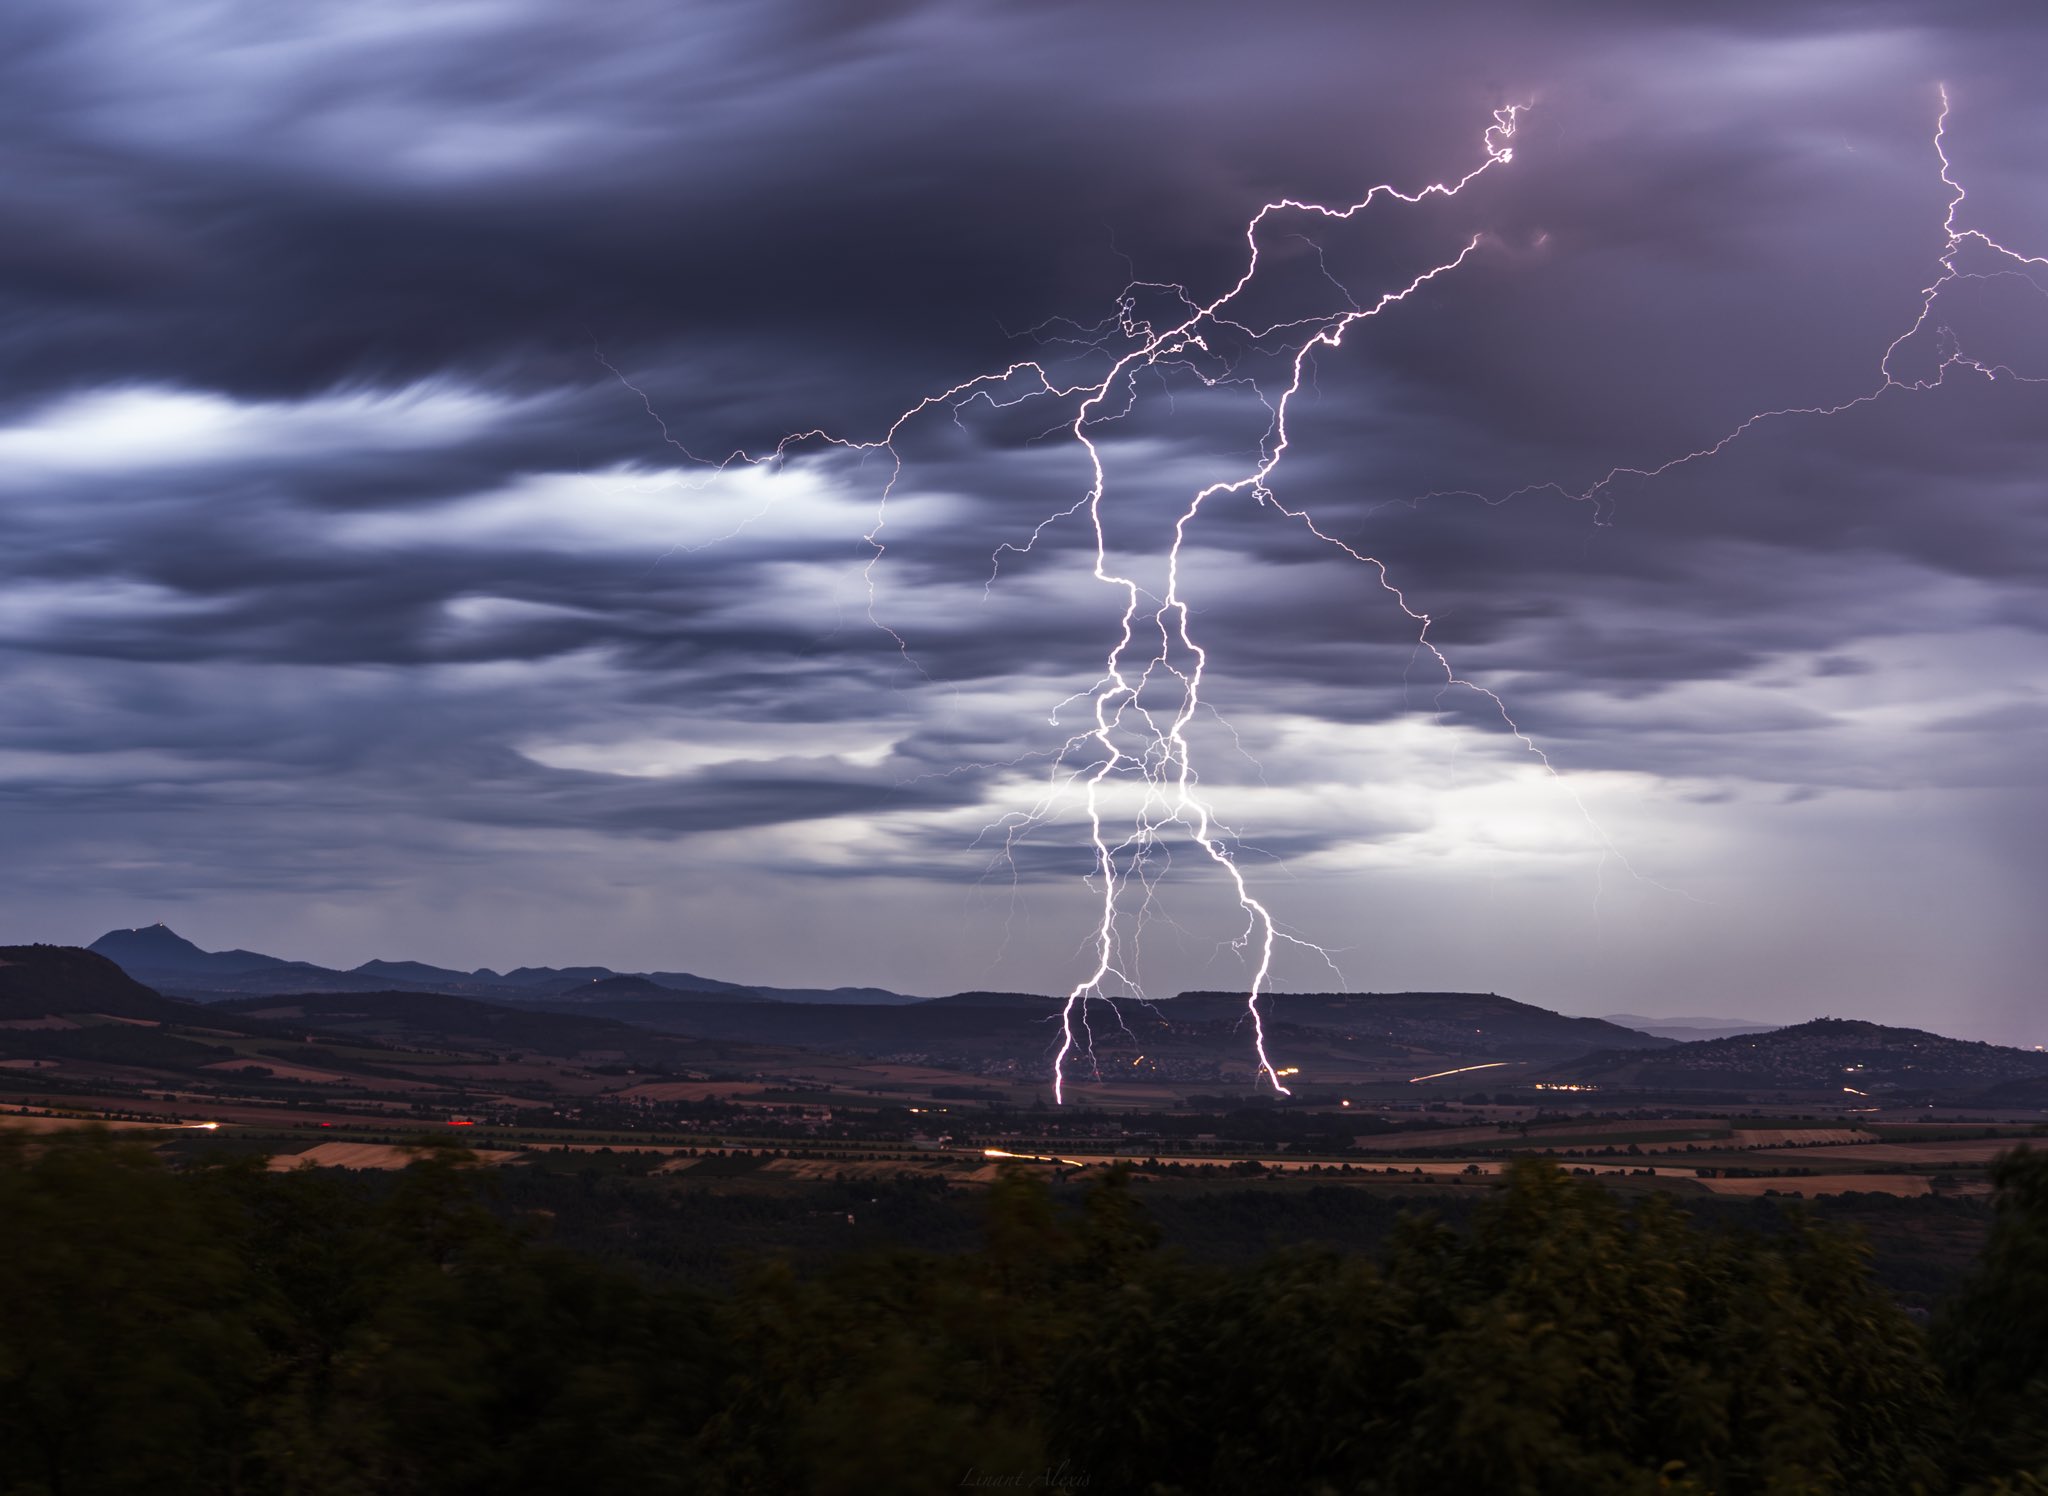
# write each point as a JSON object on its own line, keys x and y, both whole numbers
{"x": 1162, "y": 758}
{"x": 1956, "y": 239}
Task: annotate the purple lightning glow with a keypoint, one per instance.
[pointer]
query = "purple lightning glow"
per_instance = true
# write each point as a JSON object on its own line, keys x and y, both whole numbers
{"x": 1129, "y": 739}
{"x": 1953, "y": 356}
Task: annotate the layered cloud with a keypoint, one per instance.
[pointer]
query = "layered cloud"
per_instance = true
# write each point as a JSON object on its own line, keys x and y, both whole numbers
{"x": 373, "y": 569}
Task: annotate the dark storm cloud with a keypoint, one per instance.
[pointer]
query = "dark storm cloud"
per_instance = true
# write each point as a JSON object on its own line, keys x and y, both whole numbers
{"x": 324, "y": 500}
{"x": 250, "y": 204}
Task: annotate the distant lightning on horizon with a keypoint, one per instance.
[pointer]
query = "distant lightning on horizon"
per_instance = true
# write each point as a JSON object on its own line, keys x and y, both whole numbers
{"x": 1130, "y": 739}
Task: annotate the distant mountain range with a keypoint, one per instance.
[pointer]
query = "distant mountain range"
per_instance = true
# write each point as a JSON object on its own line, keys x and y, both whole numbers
{"x": 684, "y": 1002}
{"x": 969, "y": 1028}
{"x": 72, "y": 1021}
{"x": 161, "y": 958}
{"x": 974, "y": 1029}
{"x": 85, "y": 1014}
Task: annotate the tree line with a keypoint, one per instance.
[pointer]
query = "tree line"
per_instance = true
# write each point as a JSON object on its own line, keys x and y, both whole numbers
{"x": 221, "y": 1328}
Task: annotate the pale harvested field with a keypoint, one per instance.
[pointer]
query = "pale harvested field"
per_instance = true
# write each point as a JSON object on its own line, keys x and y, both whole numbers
{"x": 1826, "y": 1184}
{"x": 369, "y": 1156}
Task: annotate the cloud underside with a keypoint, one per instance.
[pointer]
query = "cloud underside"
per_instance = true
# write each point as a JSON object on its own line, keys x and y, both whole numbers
{"x": 361, "y": 507}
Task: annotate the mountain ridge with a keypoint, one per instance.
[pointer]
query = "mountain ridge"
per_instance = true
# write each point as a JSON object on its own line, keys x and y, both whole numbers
{"x": 1496, "y": 1022}
{"x": 38, "y": 981}
{"x": 159, "y": 957}
{"x": 1845, "y": 1056}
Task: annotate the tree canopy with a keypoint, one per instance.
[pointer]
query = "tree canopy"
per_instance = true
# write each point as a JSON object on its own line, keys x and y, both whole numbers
{"x": 221, "y": 1328}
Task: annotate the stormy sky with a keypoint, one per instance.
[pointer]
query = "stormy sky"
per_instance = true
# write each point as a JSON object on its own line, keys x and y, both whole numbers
{"x": 372, "y": 582}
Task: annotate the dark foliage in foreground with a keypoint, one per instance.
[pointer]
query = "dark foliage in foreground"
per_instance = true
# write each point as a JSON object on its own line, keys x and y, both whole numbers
{"x": 223, "y": 1329}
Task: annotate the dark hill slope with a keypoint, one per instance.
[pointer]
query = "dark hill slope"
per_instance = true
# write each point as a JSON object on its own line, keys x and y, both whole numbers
{"x": 60, "y": 1003}
{"x": 614, "y": 989}
{"x": 1035, "y": 1001}
{"x": 856, "y": 1028}
{"x": 434, "y": 1018}
{"x": 975, "y": 1026}
{"x": 2030, "y": 1092}
{"x": 431, "y": 1020}
{"x": 413, "y": 973}
{"x": 545, "y": 983}
{"x": 873, "y": 996}
{"x": 1838, "y": 1055}
{"x": 1479, "y": 1023}
{"x": 39, "y": 981}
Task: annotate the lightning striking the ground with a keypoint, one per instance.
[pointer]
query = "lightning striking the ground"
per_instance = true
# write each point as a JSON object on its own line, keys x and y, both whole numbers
{"x": 1141, "y": 707}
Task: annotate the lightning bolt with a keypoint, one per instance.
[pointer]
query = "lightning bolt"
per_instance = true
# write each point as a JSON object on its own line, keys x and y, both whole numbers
{"x": 1155, "y": 648}
{"x": 1165, "y": 761}
{"x": 1956, "y": 239}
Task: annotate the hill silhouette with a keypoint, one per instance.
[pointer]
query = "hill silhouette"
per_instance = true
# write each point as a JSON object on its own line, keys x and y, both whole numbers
{"x": 60, "y": 1003}
{"x": 1840, "y": 1055}
{"x": 631, "y": 989}
{"x": 159, "y": 957}
{"x": 42, "y": 981}
{"x": 1480, "y": 1023}
{"x": 76, "y": 1011}
{"x": 438, "y": 1020}
{"x": 159, "y": 948}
